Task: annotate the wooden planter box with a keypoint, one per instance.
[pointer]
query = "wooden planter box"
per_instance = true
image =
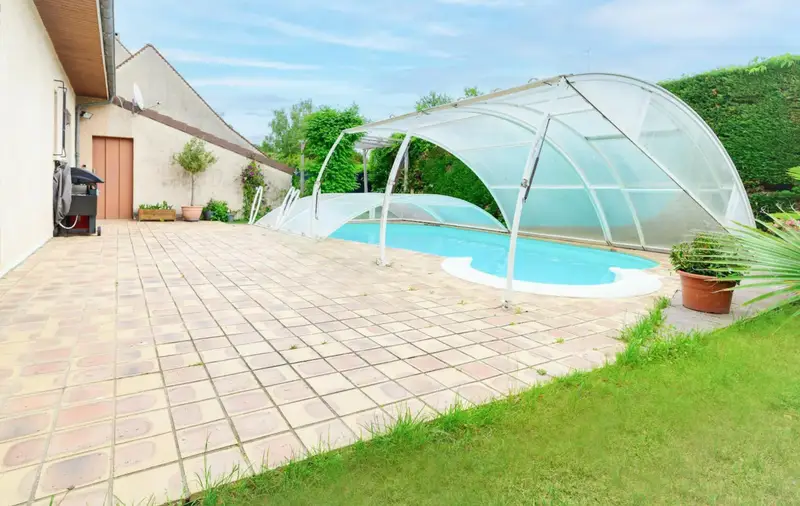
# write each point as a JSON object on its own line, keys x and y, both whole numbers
{"x": 156, "y": 214}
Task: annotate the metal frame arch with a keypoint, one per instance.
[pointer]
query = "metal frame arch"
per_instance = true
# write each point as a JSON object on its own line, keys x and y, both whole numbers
{"x": 598, "y": 209}
{"x": 612, "y": 168}
{"x": 454, "y": 153}
{"x": 653, "y": 89}
{"x": 318, "y": 183}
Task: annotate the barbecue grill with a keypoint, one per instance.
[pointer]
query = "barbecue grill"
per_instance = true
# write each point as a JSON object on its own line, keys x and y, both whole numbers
{"x": 79, "y": 206}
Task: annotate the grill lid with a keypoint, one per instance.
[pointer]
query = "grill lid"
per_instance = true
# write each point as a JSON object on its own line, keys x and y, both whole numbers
{"x": 83, "y": 176}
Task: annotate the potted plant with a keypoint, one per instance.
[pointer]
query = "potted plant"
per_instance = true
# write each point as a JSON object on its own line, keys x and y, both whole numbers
{"x": 156, "y": 212}
{"x": 216, "y": 210}
{"x": 705, "y": 270}
{"x": 194, "y": 158}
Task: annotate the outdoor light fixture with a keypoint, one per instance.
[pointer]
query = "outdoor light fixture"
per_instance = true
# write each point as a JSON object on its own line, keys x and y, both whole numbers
{"x": 86, "y": 115}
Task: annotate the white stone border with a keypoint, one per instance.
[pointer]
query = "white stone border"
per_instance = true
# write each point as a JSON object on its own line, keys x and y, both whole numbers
{"x": 628, "y": 282}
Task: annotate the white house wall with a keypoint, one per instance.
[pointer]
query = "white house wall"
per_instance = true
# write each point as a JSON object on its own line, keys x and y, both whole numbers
{"x": 28, "y": 66}
{"x": 121, "y": 53}
{"x": 156, "y": 179}
{"x": 160, "y": 83}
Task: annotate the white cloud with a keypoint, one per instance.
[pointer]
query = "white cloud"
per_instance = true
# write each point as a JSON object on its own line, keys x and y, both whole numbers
{"x": 190, "y": 56}
{"x": 681, "y": 21}
{"x": 281, "y": 86}
{"x": 377, "y": 41}
{"x": 441, "y": 29}
{"x": 485, "y": 3}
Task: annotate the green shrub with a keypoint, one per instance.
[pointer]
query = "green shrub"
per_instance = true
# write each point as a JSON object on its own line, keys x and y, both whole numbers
{"x": 218, "y": 209}
{"x": 162, "y": 205}
{"x": 755, "y": 112}
{"x": 704, "y": 255}
{"x": 764, "y": 203}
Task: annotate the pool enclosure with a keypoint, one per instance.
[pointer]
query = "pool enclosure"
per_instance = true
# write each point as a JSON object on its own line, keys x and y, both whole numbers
{"x": 592, "y": 157}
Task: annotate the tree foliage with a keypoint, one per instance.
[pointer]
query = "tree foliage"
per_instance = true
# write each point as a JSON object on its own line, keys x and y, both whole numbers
{"x": 432, "y": 99}
{"x": 194, "y": 158}
{"x": 286, "y": 132}
{"x": 322, "y": 129}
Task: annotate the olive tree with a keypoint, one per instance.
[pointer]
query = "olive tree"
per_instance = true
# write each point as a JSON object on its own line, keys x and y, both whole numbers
{"x": 194, "y": 158}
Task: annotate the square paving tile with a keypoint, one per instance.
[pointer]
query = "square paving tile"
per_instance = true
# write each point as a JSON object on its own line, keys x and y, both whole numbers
{"x": 306, "y": 412}
{"x": 204, "y": 438}
{"x": 159, "y": 485}
{"x": 144, "y": 454}
{"x": 275, "y": 375}
{"x": 235, "y": 383}
{"x": 274, "y": 451}
{"x": 197, "y": 413}
{"x": 74, "y": 471}
{"x": 348, "y": 402}
{"x": 313, "y": 368}
{"x": 386, "y": 392}
{"x": 245, "y": 402}
{"x": 190, "y": 392}
{"x": 329, "y": 383}
{"x": 292, "y": 391}
{"x": 326, "y": 436}
{"x": 258, "y": 424}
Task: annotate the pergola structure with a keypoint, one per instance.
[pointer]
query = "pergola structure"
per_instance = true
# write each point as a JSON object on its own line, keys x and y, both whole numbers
{"x": 593, "y": 157}
{"x": 366, "y": 144}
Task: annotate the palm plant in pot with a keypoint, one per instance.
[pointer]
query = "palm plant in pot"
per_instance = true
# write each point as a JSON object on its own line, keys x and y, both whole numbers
{"x": 195, "y": 159}
{"x": 708, "y": 273}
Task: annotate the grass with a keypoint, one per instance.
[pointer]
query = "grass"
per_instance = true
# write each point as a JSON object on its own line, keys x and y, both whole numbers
{"x": 706, "y": 419}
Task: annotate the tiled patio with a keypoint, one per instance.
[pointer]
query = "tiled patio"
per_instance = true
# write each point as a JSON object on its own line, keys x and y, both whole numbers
{"x": 133, "y": 361}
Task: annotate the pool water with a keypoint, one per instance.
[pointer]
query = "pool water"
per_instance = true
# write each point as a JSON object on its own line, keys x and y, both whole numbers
{"x": 537, "y": 261}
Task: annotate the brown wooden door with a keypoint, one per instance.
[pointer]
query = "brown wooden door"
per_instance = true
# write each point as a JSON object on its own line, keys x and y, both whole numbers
{"x": 113, "y": 162}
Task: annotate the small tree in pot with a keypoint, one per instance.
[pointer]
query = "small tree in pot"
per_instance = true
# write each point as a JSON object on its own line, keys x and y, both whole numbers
{"x": 708, "y": 273}
{"x": 194, "y": 158}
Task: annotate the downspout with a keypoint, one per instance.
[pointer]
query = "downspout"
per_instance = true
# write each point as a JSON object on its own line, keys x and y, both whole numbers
{"x": 106, "y": 15}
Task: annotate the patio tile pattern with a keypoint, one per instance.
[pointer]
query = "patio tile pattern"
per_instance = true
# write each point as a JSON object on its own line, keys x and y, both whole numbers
{"x": 131, "y": 361}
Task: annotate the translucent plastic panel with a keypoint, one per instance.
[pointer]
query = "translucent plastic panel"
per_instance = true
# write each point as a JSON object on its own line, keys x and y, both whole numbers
{"x": 594, "y": 167}
{"x": 635, "y": 170}
{"x": 618, "y": 216}
{"x": 589, "y": 123}
{"x": 669, "y": 217}
{"x": 465, "y": 216}
{"x": 336, "y": 209}
{"x": 500, "y": 166}
{"x": 476, "y": 132}
{"x": 672, "y": 140}
{"x": 567, "y": 213}
{"x": 554, "y": 169}
{"x": 617, "y": 99}
{"x": 412, "y": 212}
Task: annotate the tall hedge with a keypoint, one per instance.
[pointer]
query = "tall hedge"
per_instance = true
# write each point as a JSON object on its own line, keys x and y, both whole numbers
{"x": 755, "y": 111}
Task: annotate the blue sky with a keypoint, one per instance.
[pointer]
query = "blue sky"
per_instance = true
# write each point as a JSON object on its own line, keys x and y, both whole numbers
{"x": 249, "y": 57}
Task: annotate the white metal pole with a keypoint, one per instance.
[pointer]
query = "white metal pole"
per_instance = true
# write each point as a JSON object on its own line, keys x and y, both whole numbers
{"x": 255, "y": 205}
{"x": 302, "y": 166}
{"x": 522, "y": 196}
{"x": 364, "y": 155}
{"x": 318, "y": 184}
{"x": 387, "y": 196}
{"x": 405, "y": 172}
{"x": 283, "y": 206}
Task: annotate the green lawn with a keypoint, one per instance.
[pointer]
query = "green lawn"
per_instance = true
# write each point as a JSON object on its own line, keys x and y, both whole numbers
{"x": 710, "y": 420}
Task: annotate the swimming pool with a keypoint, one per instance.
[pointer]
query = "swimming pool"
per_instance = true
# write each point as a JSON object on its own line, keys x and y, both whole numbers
{"x": 537, "y": 261}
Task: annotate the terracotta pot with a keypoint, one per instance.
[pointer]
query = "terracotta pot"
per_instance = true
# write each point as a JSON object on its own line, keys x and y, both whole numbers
{"x": 706, "y": 294}
{"x": 191, "y": 213}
